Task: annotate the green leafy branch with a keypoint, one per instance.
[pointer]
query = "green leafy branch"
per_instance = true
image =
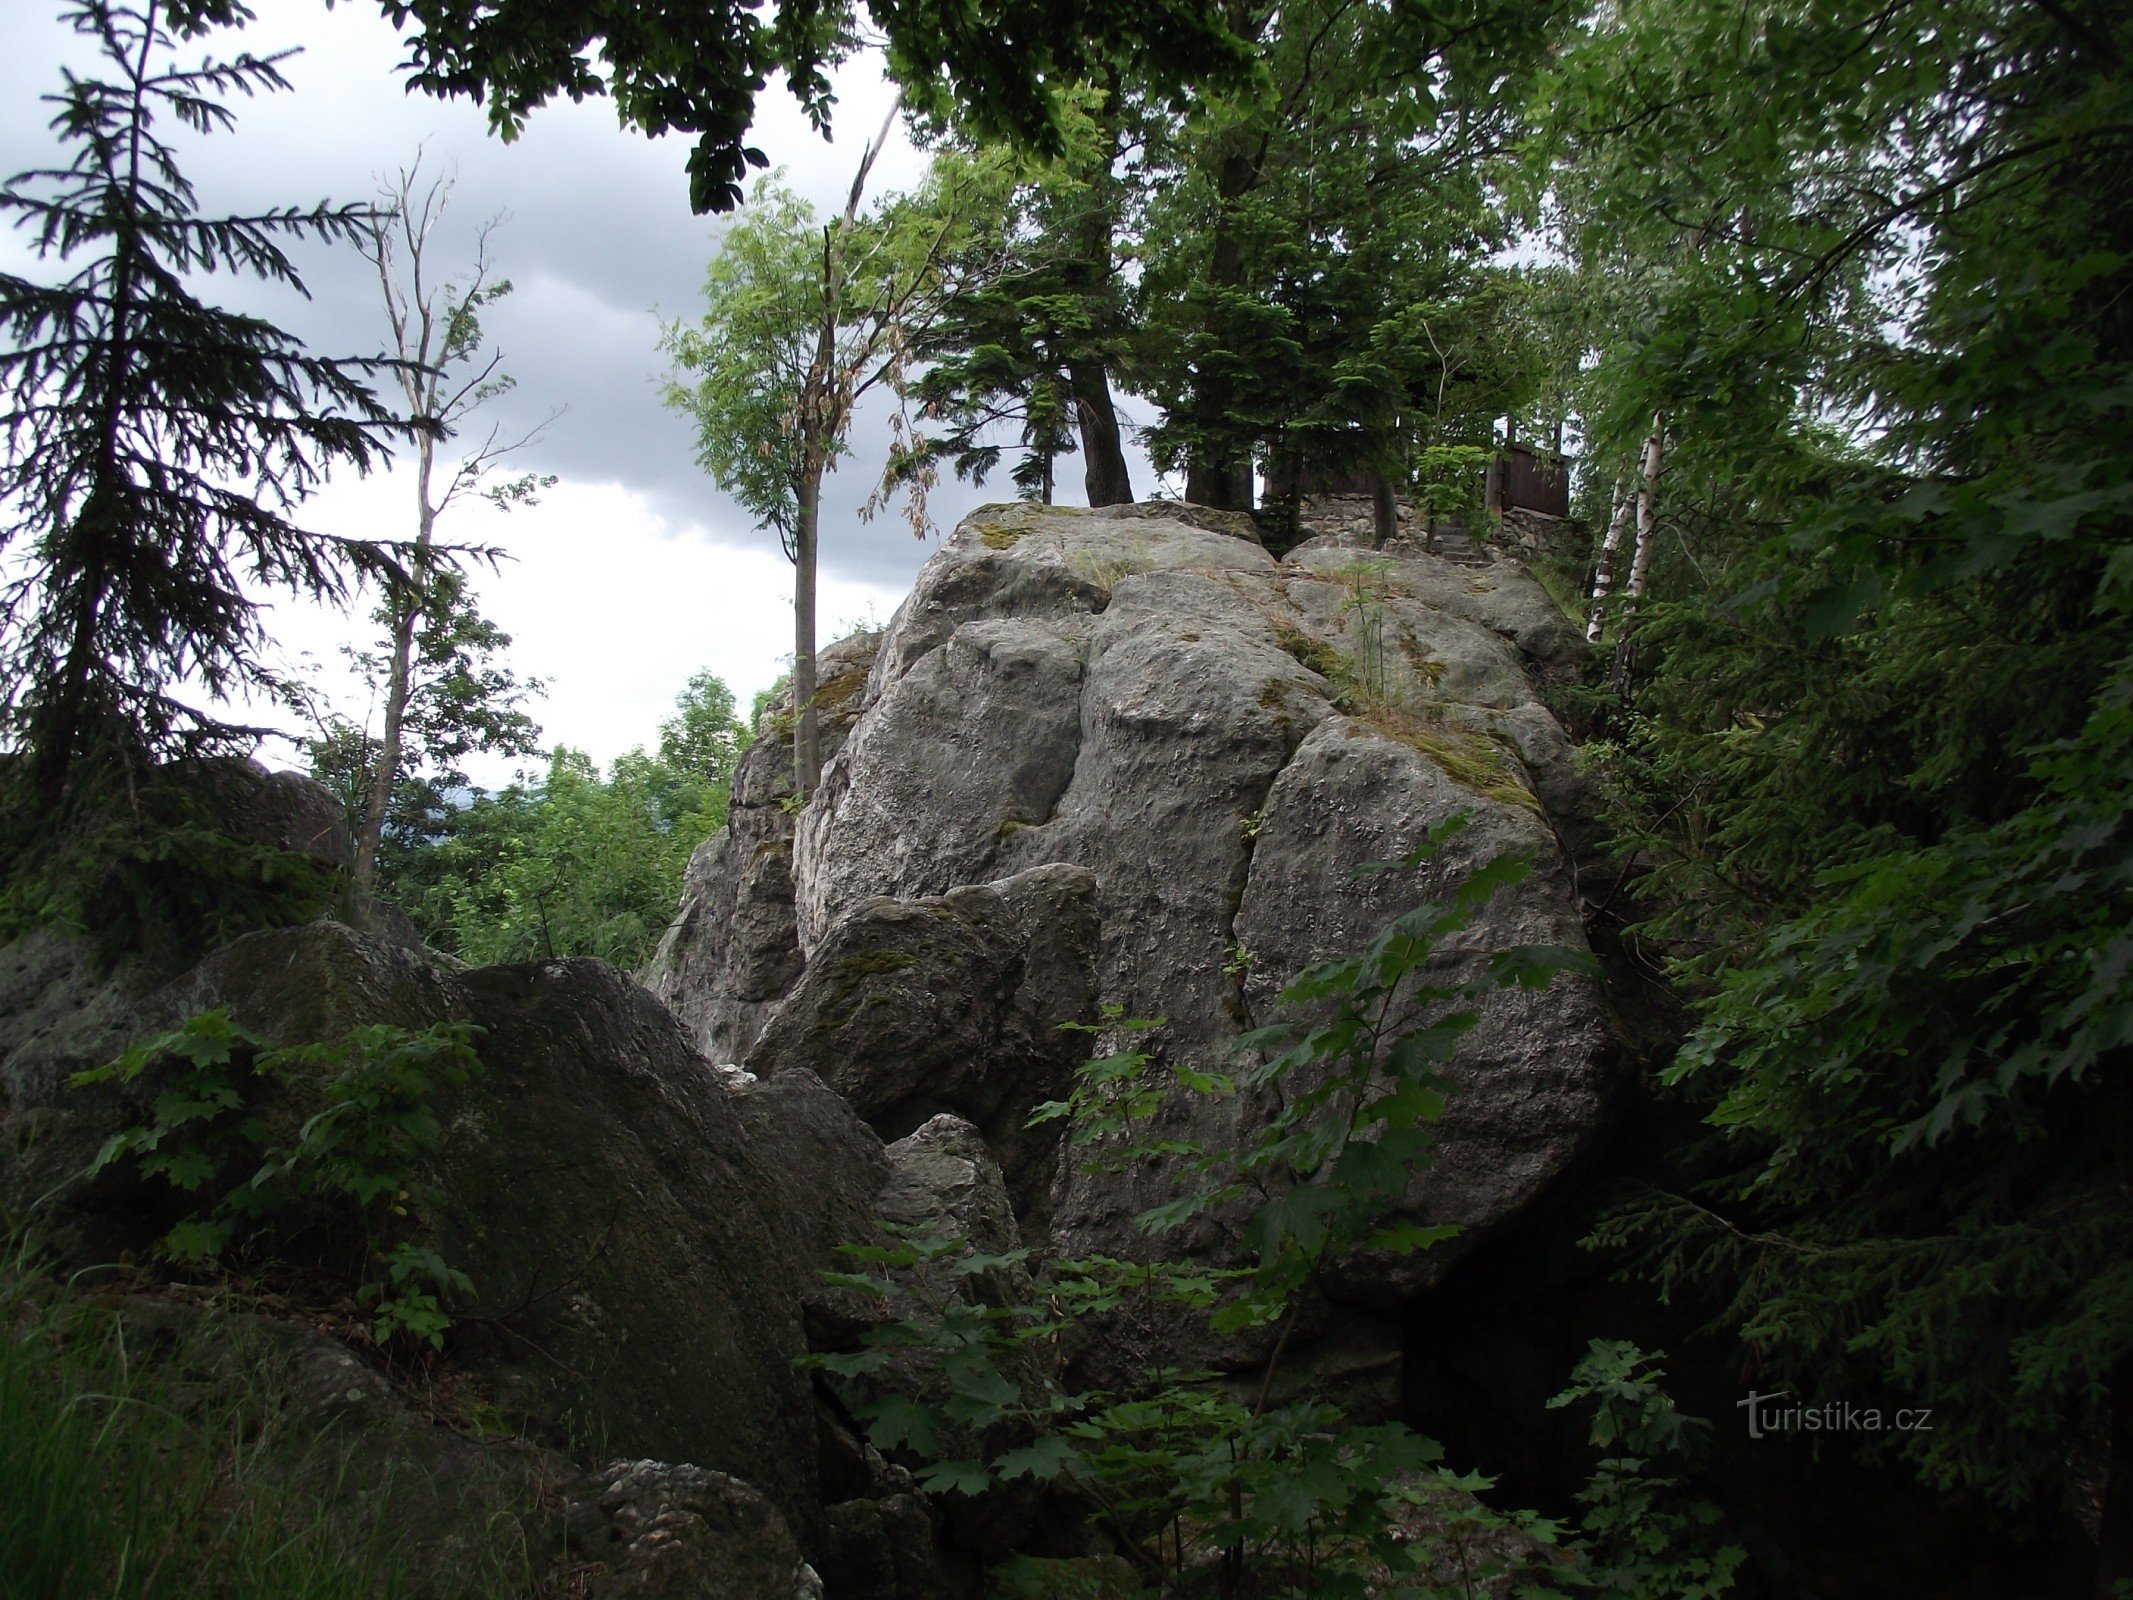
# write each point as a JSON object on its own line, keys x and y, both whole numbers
{"x": 352, "y": 1166}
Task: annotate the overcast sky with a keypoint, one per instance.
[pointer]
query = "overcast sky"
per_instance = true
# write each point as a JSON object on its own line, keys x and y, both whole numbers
{"x": 634, "y": 571}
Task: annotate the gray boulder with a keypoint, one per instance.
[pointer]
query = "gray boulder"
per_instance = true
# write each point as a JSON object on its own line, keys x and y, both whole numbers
{"x": 1530, "y": 1088}
{"x": 944, "y": 1184}
{"x": 732, "y": 951}
{"x": 955, "y": 1003}
{"x": 662, "y": 1531}
{"x": 1219, "y": 739}
{"x": 644, "y": 1239}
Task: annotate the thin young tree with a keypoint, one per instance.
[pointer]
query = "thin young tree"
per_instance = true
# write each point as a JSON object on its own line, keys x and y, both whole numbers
{"x": 153, "y": 448}
{"x": 447, "y": 372}
{"x": 1640, "y": 565}
{"x": 802, "y": 322}
{"x": 1603, "y": 574}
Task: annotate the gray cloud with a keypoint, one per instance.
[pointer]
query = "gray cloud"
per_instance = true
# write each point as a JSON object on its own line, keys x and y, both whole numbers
{"x": 599, "y": 242}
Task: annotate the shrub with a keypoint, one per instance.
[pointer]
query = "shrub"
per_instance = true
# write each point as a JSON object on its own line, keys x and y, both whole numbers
{"x": 349, "y": 1172}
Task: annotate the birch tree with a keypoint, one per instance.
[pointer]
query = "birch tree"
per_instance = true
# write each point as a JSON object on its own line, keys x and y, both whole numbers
{"x": 1603, "y": 573}
{"x": 1640, "y": 564}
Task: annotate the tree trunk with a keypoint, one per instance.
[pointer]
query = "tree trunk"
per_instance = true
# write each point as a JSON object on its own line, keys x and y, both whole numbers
{"x": 806, "y": 732}
{"x": 370, "y": 832}
{"x": 1384, "y": 510}
{"x": 1640, "y": 565}
{"x": 1103, "y": 455}
{"x": 407, "y": 616}
{"x": 1603, "y": 575}
{"x": 1088, "y": 380}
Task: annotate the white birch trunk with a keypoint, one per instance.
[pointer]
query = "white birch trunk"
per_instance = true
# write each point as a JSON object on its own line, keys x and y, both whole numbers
{"x": 1603, "y": 576}
{"x": 1640, "y": 565}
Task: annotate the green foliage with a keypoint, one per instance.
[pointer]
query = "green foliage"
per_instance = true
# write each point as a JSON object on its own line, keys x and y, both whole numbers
{"x": 1638, "y": 1528}
{"x": 1313, "y": 1504}
{"x": 579, "y": 864}
{"x": 157, "y": 866}
{"x": 1032, "y": 338}
{"x": 350, "y": 1171}
{"x": 1316, "y": 292}
{"x": 462, "y": 701}
{"x": 802, "y": 320}
{"x": 154, "y": 445}
{"x": 699, "y": 73}
{"x": 1875, "y": 267}
{"x": 741, "y": 375}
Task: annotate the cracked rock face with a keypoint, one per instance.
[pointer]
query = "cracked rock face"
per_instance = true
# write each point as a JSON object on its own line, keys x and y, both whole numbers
{"x": 956, "y": 1003}
{"x": 1219, "y": 739}
{"x": 682, "y": 1533}
{"x": 732, "y": 953}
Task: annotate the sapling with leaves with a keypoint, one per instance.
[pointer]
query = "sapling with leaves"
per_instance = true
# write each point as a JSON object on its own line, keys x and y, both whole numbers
{"x": 348, "y": 1174}
{"x": 801, "y": 323}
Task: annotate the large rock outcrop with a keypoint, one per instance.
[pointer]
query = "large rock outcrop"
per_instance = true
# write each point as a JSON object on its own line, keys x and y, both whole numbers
{"x": 1218, "y": 740}
{"x": 646, "y": 1237}
{"x": 732, "y": 952}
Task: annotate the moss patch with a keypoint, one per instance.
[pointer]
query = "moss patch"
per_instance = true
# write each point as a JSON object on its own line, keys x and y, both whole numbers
{"x": 853, "y": 970}
{"x": 1325, "y": 659}
{"x": 1107, "y": 571}
{"x": 999, "y": 535}
{"x": 1426, "y": 666}
{"x": 1471, "y": 760}
{"x": 838, "y": 691}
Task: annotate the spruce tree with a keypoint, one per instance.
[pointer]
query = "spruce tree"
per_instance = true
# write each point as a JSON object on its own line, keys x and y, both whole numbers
{"x": 155, "y": 446}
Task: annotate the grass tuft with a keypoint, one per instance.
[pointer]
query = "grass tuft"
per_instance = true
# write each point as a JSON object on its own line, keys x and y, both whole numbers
{"x": 124, "y": 1474}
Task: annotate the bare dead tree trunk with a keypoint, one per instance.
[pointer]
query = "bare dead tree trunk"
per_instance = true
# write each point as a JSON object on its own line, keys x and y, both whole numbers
{"x": 1641, "y": 563}
{"x": 806, "y": 730}
{"x": 407, "y": 610}
{"x": 437, "y": 334}
{"x": 1603, "y": 576}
